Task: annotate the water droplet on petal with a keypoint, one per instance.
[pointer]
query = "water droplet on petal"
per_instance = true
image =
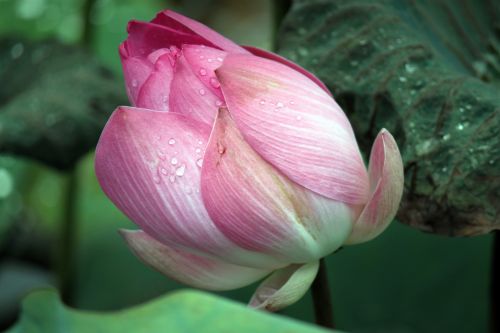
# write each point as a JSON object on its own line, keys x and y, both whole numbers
{"x": 174, "y": 160}
{"x": 199, "y": 162}
{"x": 200, "y": 142}
{"x": 292, "y": 102}
{"x": 171, "y": 141}
{"x": 280, "y": 105}
{"x": 198, "y": 150}
{"x": 214, "y": 82}
{"x": 203, "y": 72}
{"x": 134, "y": 83}
{"x": 218, "y": 103}
{"x": 180, "y": 170}
{"x": 202, "y": 92}
{"x": 210, "y": 60}
{"x": 171, "y": 178}
{"x": 262, "y": 102}
{"x": 163, "y": 171}
{"x": 202, "y": 57}
{"x": 219, "y": 59}
{"x": 299, "y": 117}
{"x": 156, "y": 179}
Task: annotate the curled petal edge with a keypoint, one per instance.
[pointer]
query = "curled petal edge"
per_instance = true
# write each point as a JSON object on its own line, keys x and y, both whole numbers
{"x": 284, "y": 287}
{"x": 386, "y": 183}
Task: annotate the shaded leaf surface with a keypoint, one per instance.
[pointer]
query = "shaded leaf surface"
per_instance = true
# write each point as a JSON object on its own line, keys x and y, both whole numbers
{"x": 429, "y": 72}
{"x": 179, "y": 312}
{"x": 54, "y": 101}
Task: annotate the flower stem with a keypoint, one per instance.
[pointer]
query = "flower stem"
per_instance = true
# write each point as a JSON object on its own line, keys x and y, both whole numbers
{"x": 323, "y": 310}
{"x": 495, "y": 285}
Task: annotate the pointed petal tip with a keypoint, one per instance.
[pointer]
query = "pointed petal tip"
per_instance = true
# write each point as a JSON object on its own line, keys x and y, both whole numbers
{"x": 284, "y": 287}
{"x": 386, "y": 173}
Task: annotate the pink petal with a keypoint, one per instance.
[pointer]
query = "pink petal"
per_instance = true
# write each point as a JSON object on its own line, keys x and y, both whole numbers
{"x": 149, "y": 164}
{"x": 155, "y": 91}
{"x": 188, "y": 268}
{"x": 199, "y": 29}
{"x": 284, "y": 287}
{"x": 386, "y": 183}
{"x": 261, "y": 210}
{"x": 275, "y": 57}
{"x": 294, "y": 125}
{"x": 204, "y": 61}
{"x": 190, "y": 96}
{"x": 144, "y": 38}
{"x": 136, "y": 71}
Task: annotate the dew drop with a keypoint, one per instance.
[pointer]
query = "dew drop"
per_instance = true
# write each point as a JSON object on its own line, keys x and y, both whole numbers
{"x": 262, "y": 102}
{"x": 174, "y": 161}
{"x": 156, "y": 179}
{"x": 219, "y": 59}
{"x": 199, "y": 162}
{"x": 292, "y": 102}
{"x": 446, "y": 137}
{"x": 202, "y": 57}
{"x": 402, "y": 79}
{"x": 171, "y": 142}
{"x": 218, "y": 103}
{"x": 198, "y": 150}
{"x": 214, "y": 82}
{"x": 171, "y": 178}
{"x": 280, "y": 105}
{"x": 161, "y": 155}
{"x": 410, "y": 68}
{"x": 200, "y": 142}
{"x": 164, "y": 99}
{"x": 210, "y": 60}
{"x": 460, "y": 127}
{"x": 203, "y": 71}
{"x": 180, "y": 170}
{"x": 134, "y": 83}
{"x": 202, "y": 92}
{"x": 299, "y": 118}
{"x": 163, "y": 171}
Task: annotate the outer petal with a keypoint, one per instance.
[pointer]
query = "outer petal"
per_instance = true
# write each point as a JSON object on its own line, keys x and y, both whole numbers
{"x": 275, "y": 57}
{"x": 167, "y": 18}
{"x": 294, "y": 125}
{"x": 188, "y": 268}
{"x": 261, "y": 210}
{"x": 149, "y": 163}
{"x": 386, "y": 182}
{"x": 284, "y": 287}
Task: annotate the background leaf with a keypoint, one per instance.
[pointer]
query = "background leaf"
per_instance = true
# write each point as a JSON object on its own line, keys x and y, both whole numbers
{"x": 54, "y": 101}
{"x": 179, "y": 312}
{"x": 415, "y": 67}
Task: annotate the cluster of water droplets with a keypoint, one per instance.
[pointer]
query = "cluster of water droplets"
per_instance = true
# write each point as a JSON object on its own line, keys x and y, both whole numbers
{"x": 169, "y": 166}
{"x": 280, "y": 106}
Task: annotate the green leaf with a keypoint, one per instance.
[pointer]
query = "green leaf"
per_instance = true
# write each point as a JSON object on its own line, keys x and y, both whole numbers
{"x": 429, "y": 71}
{"x": 54, "y": 101}
{"x": 182, "y": 311}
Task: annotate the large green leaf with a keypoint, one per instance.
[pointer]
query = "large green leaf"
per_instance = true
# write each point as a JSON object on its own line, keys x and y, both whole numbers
{"x": 429, "y": 71}
{"x": 182, "y": 311}
{"x": 54, "y": 101}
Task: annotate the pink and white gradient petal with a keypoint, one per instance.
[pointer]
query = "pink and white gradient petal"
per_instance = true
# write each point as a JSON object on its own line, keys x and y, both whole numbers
{"x": 149, "y": 164}
{"x": 284, "y": 287}
{"x": 188, "y": 268}
{"x": 294, "y": 125}
{"x": 276, "y": 57}
{"x": 386, "y": 183}
{"x": 261, "y": 210}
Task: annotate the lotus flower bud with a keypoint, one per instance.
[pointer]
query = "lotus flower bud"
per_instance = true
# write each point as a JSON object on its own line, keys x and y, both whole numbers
{"x": 237, "y": 164}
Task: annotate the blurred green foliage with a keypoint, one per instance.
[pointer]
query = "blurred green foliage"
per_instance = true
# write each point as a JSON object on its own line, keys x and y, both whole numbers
{"x": 404, "y": 281}
{"x": 179, "y": 312}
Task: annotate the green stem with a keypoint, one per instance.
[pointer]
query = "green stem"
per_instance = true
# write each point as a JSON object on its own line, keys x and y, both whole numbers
{"x": 67, "y": 238}
{"x": 323, "y": 309}
{"x": 495, "y": 285}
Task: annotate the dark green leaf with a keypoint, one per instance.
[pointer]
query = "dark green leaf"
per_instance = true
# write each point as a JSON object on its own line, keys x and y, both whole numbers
{"x": 54, "y": 101}
{"x": 180, "y": 312}
{"x": 429, "y": 72}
